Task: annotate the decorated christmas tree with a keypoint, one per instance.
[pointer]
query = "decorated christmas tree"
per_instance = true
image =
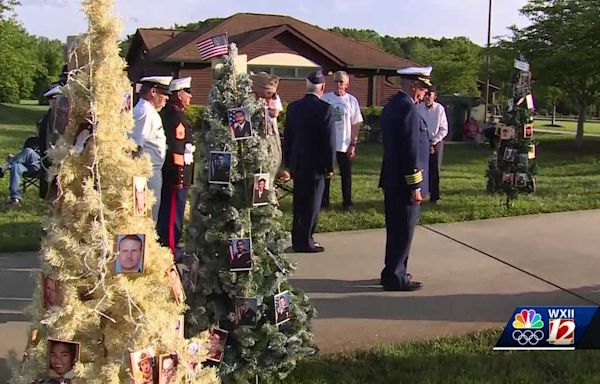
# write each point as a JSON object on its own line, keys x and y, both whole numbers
{"x": 512, "y": 166}
{"x": 236, "y": 232}
{"x": 105, "y": 310}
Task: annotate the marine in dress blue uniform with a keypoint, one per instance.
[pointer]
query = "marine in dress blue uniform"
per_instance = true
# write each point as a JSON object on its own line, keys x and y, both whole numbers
{"x": 403, "y": 174}
{"x": 309, "y": 151}
{"x": 178, "y": 170}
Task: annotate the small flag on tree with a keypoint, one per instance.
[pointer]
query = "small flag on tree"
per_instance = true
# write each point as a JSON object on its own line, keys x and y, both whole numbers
{"x": 213, "y": 46}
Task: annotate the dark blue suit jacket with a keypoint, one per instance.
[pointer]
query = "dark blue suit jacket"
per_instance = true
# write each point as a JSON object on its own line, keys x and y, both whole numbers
{"x": 309, "y": 137}
{"x": 405, "y": 146}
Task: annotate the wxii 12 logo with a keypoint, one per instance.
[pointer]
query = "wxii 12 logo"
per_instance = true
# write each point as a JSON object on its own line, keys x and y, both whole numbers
{"x": 528, "y": 326}
{"x": 561, "y": 326}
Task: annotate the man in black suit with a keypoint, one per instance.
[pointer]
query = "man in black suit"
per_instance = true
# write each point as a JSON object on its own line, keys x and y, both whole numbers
{"x": 241, "y": 127}
{"x": 220, "y": 169}
{"x": 261, "y": 194}
{"x": 403, "y": 174}
{"x": 309, "y": 151}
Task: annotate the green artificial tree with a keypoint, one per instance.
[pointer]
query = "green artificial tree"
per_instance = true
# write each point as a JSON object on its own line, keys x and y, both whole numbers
{"x": 512, "y": 166}
{"x": 265, "y": 352}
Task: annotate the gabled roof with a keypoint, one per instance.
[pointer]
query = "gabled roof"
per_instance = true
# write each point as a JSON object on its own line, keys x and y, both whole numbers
{"x": 246, "y": 28}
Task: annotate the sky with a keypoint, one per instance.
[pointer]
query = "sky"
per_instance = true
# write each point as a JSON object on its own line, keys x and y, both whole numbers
{"x": 400, "y": 18}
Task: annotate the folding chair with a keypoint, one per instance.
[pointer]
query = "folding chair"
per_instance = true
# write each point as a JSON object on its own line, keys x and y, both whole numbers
{"x": 283, "y": 188}
{"x": 29, "y": 179}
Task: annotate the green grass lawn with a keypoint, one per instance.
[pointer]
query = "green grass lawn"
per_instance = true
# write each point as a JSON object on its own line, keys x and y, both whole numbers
{"x": 466, "y": 359}
{"x": 568, "y": 179}
{"x": 568, "y": 126}
{"x": 20, "y": 228}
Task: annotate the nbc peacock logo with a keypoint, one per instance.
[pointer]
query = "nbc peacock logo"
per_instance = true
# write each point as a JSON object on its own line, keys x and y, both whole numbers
{"x": 528, "y": 324}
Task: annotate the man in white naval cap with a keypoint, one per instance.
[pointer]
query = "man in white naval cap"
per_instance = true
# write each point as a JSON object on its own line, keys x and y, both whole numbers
{"x": 148, "y": 132}
{"x": 403, "y": 174}
{"x": 178, "y": 170}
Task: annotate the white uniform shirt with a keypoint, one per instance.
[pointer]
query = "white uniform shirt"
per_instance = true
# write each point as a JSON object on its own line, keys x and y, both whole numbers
{"x": 346, "y": 113}
{"x": 148, "y": 132}
{"x": 435, "y": 118}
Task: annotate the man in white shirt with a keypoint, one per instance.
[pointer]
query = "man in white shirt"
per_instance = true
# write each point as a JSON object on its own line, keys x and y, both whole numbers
{"x": 347, "y": 117}
{"x": 148, "y": 132}
{"x": 434, "y": 115}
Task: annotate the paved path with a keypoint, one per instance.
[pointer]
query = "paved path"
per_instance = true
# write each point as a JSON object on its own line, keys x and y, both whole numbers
{"x": 563, "y": 132}
{"x": 475, "y": 274}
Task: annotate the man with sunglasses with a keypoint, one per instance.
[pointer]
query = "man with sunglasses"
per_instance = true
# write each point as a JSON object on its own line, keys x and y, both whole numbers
{"x": 178, "y": 170}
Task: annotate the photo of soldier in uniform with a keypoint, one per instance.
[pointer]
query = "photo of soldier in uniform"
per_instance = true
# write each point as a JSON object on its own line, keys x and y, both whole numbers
{"x": 245, "y": 312}
{"x": 142, "y": 366}
{"x": 130, "y": 253}
{"x": 216, "y": 344}
{"x": 260, "y": 191}
{"x": 62, "y": 356}
{"x": 510, "y": 154}
{"x": 282, "y": 308}
{"x": 240, "y": 255}
{"x": 220, "y": 168}
{"x": 239, "y": 122}
{"x": 140, "y": 196}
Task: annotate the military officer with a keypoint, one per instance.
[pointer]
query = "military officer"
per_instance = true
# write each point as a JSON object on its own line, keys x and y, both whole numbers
{"x": 403, "y": 174}
{"x": 148, "y": 132}
{"x": 309, "y": 151}
{"x": 178, "y": 170}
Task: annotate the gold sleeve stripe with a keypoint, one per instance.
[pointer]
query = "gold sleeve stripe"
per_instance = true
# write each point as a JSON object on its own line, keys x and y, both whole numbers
{"x": 415, "y": 178}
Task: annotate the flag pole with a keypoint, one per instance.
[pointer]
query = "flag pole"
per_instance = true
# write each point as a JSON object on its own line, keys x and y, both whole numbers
{"x": 488, "y": 59}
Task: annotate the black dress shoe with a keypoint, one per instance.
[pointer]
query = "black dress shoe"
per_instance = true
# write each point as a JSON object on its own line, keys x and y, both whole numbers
{"x": 309, "y": 250}
{"x": 408, "y": 276}
{"x": 411, "y": 286}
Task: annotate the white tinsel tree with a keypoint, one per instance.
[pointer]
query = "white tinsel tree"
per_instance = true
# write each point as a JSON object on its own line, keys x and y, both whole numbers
{"x": 220, "y": 212}
{"x": 110, "y": 315}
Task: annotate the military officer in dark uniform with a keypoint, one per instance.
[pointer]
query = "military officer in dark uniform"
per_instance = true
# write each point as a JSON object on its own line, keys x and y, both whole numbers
{"x": 403, "y": 174}
{"x": 178, "y": 170}
{"x": 309, "y": 151}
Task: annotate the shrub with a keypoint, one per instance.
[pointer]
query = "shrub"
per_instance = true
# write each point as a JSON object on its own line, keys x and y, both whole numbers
{"x": 9, "y": 91}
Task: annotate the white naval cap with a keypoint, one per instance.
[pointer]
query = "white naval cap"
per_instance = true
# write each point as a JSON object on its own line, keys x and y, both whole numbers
{"x": 53, "y": 92}
{"x": 159, "y": 82}
{"x": 422, "y": 74}
{"x": 179, "y": 84}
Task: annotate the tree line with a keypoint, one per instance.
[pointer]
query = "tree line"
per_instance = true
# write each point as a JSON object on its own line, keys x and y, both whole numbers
{"x": 30, "y": 64}
{"x": 561, "y": 43}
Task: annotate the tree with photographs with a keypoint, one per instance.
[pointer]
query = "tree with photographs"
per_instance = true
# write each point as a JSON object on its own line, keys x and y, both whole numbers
{"x": 562, "y": 42}
{"x": 512, "y": 167}
{"x": 96, "y": 313}
{"x": 222, "y": 215}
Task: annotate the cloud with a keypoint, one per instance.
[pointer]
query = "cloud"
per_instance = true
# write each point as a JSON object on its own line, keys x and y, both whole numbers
{"x": 133, "y": 19}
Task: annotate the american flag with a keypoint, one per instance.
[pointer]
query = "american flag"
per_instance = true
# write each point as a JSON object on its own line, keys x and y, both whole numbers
{"x": 213, "y": 46}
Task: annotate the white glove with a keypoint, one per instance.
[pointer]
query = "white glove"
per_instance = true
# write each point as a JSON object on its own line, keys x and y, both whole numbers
{"x": 188, "y": 154}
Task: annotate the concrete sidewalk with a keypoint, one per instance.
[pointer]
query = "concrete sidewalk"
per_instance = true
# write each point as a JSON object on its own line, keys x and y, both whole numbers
{"x": 475, "y": 274}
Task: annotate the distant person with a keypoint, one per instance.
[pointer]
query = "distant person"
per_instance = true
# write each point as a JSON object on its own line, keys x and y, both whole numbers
{"x": 148, "y": 132}
{"x": 130, "y": 255}
{"x": 403, "y": 174}
{"x": 347, "y": 117}
{"x": 472, "y": 129}
{"x": 178, "y": 170}
{"x": 434, "y": 115}
{"x": 63, "y": 357}
{"x": 309, "y": 152}
{"x": 27, "y": 160}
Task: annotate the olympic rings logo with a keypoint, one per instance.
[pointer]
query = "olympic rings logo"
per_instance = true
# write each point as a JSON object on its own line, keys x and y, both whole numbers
{"x": 528, "y": 336}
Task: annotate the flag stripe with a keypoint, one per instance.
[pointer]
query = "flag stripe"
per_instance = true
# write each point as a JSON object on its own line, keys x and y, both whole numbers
{"x": 213, "y": 46}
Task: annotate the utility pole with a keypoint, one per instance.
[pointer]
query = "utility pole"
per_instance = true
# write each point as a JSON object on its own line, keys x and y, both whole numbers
{"x": 487, "y": 83}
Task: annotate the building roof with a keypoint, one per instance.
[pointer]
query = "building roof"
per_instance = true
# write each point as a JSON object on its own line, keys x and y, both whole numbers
{"x": 247, "y": 28}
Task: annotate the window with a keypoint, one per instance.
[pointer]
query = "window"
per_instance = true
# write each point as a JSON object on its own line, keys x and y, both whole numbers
{"x": 282, "y": 71}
